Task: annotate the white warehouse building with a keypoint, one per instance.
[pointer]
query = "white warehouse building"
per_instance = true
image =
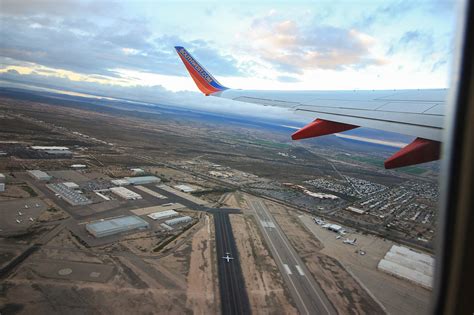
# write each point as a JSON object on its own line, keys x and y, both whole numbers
{"x": 141, "y": 180}
{"x": 163, "y": 214}
{"x": 71, "y": 185}
{"x": 120, "y": 182}
{"x": 40, "y": 175}
{"x": 408, "y": 264}
{"x": 125, "y": 193}
{"x": 178, "y": 220}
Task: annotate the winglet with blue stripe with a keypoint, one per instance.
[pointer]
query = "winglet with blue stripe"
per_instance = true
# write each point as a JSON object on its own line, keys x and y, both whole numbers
{"x": 203, "y": 79}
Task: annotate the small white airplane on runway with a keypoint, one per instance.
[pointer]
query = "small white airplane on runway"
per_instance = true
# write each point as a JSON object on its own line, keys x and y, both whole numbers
{"x": 227, "y": 257}
{"x": 349, "y": 241}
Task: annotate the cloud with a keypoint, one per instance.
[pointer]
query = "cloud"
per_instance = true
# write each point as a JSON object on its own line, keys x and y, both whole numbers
{"x": 385, "y": 12}
{"x": 286, "y": 78}
{"x": 439, "y": 64}
{"x": 153, "y": 95}
{"x": 294, "y": 48}
{"x": 57, "y": 8}
{"x": 419, "y": 41}
{"x": 85, "y": 46}
{"x": 421, "y": 45}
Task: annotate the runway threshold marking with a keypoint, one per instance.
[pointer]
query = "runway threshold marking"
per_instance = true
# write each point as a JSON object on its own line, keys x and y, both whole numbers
{"x": 288, "y": 270}
{"x": 300, "y": 271}
{"x": 267, "y": 224}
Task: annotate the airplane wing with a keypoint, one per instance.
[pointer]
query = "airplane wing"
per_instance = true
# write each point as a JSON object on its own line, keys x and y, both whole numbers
{"x": 418, "y": 113}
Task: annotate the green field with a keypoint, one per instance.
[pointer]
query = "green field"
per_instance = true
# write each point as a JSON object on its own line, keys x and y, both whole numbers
{"x": 271, "y": 144}
{"x": 379, "y": 163}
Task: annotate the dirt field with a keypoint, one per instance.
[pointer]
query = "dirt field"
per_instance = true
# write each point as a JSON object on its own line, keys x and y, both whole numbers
{"x": 36, "y": 287}
{"x": 202, "y": 291}
{"x": 183, "y": 281}
{"x": 17, "y": 191}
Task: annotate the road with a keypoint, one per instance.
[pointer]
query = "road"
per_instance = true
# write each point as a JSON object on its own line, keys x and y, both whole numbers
{"x": 234, "y": 299}
{"x": 308, "y": 296}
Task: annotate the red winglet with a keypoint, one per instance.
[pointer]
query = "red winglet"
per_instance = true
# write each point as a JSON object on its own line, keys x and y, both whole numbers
{"x": 205, "y": 82}
{"x": 419, "y": 151}
{"x": 320, "y": 127}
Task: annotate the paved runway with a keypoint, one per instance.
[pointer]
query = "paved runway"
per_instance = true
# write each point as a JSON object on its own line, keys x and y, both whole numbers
{"x": 308, "y": 296}
{"x": 234, "y": 297}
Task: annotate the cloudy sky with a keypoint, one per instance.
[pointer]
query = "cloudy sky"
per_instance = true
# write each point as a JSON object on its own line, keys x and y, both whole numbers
{"x": 125, "y": 49}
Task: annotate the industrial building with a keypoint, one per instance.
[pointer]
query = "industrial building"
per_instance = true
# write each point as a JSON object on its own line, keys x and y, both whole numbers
{"x": 141, "y": 180}
{"x": 77, "y": 166}
{"x": 117, "y": 225}
{"x": 2, "y": 182}
{"x": 166, "y": 227}
{"x": 71, "y": 185}
{"x": 137, "y": 171}
{"x": 184, "y": 188}
{"x": 163, "y": 214}
{"x": 40, "y": 175}
{"x": 44, "y": 148}
{"x": 53, "y": 150}
{"x": 120, "y": 182}
{"x": 179, "y": 220}
{"x": 356, "y": 210}
{"x": 160, "y": 208}
{"x": 410, "y": 265}
{"x": 125, "y": 193}
{"x": 73, "y": 197}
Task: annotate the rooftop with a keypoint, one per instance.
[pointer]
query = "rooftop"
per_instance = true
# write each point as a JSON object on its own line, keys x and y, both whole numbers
{"x": 116, "y": 225}
{"x": 142, "y": 179}
{"x": 162, "y": 214}
{"x": 37, "y": 147}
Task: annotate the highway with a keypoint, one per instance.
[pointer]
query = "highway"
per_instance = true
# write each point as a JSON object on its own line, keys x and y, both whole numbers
{"x": 234, "y": 299}
{"x": 306, "y": 293}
